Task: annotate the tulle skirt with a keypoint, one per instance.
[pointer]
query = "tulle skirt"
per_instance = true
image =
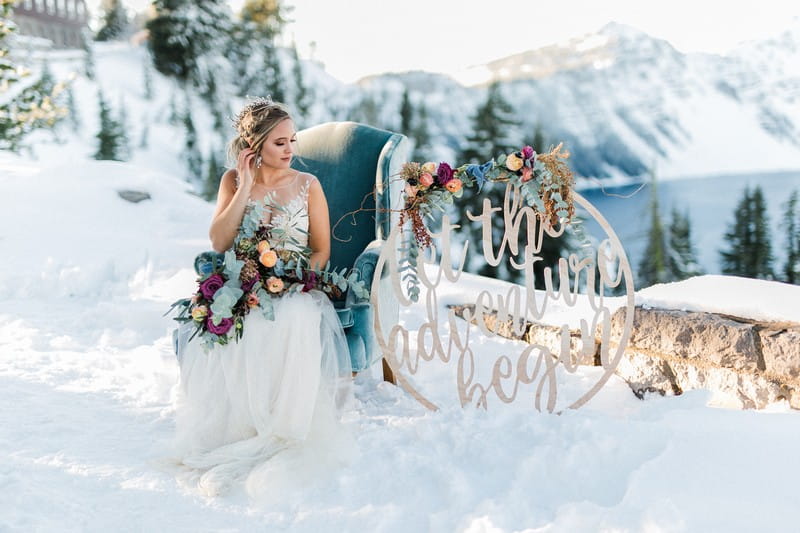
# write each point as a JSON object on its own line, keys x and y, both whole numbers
{"x": 266, "y": 410}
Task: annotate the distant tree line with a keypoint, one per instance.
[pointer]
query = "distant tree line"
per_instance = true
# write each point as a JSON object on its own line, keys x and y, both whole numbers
{"x": 747, "y": 251}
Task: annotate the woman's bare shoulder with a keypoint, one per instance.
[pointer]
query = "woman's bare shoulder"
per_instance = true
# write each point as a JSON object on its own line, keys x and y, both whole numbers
{"x": 230, "y": 179}
{"x": 307, "y": 177}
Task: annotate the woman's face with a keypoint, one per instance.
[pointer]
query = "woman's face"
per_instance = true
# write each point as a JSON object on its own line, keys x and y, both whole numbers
{"x": 278, "y": 147}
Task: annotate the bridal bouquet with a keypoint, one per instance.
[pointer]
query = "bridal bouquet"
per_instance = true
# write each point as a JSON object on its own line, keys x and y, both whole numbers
{"x": 259, "y": 267}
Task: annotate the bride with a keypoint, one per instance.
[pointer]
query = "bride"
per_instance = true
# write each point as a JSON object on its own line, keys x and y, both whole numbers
{"x": 267, "y": 407}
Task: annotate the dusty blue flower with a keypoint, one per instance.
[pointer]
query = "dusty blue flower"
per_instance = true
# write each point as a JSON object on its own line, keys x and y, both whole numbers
{"x": 479, "y": 172}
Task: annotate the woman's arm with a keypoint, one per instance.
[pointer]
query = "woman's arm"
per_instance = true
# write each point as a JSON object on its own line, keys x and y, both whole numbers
{"x": 231, "y": 203}
{"x": 319, "y": 226}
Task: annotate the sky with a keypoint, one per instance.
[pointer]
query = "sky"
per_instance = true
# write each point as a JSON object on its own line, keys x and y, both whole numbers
{"x": 355, "y": 38}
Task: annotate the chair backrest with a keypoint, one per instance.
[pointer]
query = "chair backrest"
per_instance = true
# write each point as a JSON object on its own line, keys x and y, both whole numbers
{"x": 352, "y": 161}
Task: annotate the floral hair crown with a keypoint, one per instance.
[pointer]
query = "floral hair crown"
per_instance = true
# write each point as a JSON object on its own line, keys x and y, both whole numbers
{"x": 257, "y": 104}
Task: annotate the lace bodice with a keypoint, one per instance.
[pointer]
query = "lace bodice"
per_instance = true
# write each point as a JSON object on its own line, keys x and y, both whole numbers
{"x": 286, "y": 213}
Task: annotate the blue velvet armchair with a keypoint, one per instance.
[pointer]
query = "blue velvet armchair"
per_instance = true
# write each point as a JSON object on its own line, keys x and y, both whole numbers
{"x": 354, "y": 164}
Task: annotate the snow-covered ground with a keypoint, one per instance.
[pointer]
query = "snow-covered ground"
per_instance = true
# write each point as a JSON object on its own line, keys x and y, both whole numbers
{"x": 87, "y": 384}
{"x": 88, "y": 381}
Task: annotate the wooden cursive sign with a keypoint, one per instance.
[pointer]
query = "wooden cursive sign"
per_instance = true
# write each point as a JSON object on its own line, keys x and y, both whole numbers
{"x": 536, "y": 365}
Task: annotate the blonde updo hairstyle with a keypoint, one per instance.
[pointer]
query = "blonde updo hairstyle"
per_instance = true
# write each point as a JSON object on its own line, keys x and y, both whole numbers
{"x": 253, "y": 124}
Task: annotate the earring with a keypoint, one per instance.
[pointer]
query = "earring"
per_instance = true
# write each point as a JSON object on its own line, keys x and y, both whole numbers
{"x": 258, "y": 162}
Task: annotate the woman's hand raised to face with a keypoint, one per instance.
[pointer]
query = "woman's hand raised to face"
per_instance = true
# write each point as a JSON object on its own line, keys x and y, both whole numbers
{"x": 244, "y": 167}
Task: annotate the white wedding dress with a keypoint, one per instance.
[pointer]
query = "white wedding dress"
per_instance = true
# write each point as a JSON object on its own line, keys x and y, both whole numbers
{"x": 265, "y": 410}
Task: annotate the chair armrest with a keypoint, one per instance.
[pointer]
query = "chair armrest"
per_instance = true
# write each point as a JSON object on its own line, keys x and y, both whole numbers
{"x": 365, "y": 268}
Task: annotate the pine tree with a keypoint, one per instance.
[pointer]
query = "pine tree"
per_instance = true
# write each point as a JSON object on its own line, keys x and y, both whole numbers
{"x": 421, "y": 134}
{"x": 116, "y": 22}
{"x": 213, "y": 177}
{"x": 406, "y": 114}
{"x": 273, "y": 73}
{"x": 267, "y": 16}
{"x": 187, "y": 39}
{"x": 749, "y": 252}
{"x": 109, "y": 137}
{"x": 259, "y": 73}
{"x": 72, "y": 109}
{"x": 122, "y": 122}
{"x": 681, "y": 259}
{"x": 491, "y": 127}
{"x": 761, "y": 259}
{"x": 302, "y": 96}
{"x": 174, "y": 117}
{"x": 366, "y": 111}
{"x": 25, "y": 104}
{"x": 191, "y": 152}
{"x": 653, "y": 265}
{"x": 538, "y": 139}
{"x": 147, "y": 78}
{"x": 791, "y": 222}
{"x": 88, "y": 57}
{"x": 144, "y": 137}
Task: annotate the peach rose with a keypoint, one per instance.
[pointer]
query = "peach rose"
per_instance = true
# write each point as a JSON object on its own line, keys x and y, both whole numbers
{"x": 252, "y": 300}
{"x": 454, "y": 185}
{"x": 199, "y": 313}
{"x": 429, "y": 167}
{"x": 268, "y": 258}
{"x": 513, "y": 163}
{"x": 426, "y": 179}
{"x": 274, "y": 284}
{"x": 262, "y": 246}
{"x": 527, "y": 173}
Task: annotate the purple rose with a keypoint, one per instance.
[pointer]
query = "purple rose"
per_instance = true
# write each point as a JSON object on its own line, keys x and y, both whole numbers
{"x": 309, "y": 281}
{"x": 247, "y": 285}
{"x": 210, "y": 286}
{"x": 222, "y": 328}
{"x": 444, "y": 174}
{"x": 527, "y": 152}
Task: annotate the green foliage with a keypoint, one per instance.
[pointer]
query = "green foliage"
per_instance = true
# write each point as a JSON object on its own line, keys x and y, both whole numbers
{"x": 749, "y": 252}
{"x": 115, "y": 21}
{"x": 681, "y": 260}
{"x": 490, "y": 126}
{"x": 72, "y": 110}
{"x": 26, "y": 104}
{"x": 421, "y": 134}
{"x": 367, "y": 111}
{"x": 213, "y": 177}
{"x": 791, "y": 222}
{"x": 184, "y": 34}
{"x": 88, "y": 58}
{"x": 267, "y": 17}
{"x": 302, "y": 96}
{"x": 111, "y": 138}
{"x": 253, "y": 52}
{"x": 123, "y": 130}
{"x": 406, "y": 114}
{"x": 273, "y": 74}
{"x": 144, "y": 137}
{"x": 147, "y": 78}
{"x": 407, "y": 268}
{"x": 653, "y": 265}
{"x": 191, "y": 152}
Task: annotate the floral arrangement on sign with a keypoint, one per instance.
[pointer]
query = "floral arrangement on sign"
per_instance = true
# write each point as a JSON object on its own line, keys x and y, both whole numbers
{"x": 264, "y": 263}
{"x": 544, "y": 181}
